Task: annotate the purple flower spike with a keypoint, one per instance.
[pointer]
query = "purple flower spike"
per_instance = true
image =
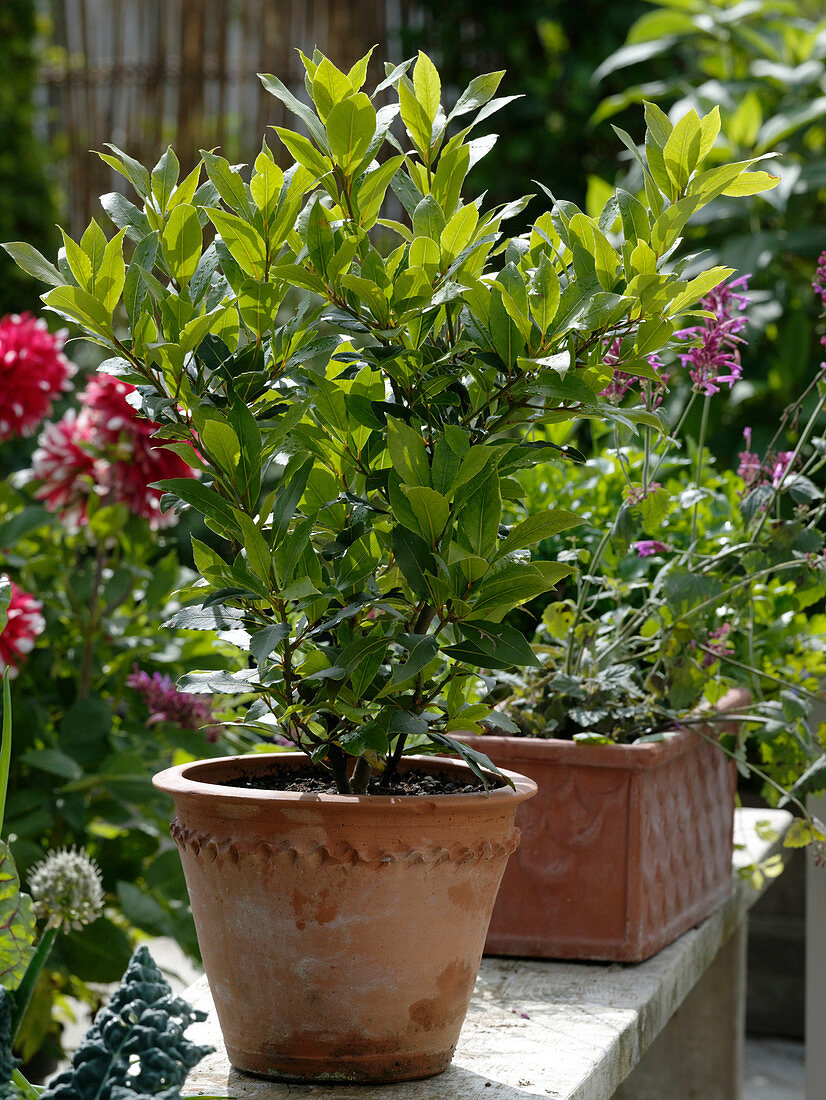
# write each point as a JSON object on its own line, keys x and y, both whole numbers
{"x": 167, "y": 704}
{"x": 717, "y": 359}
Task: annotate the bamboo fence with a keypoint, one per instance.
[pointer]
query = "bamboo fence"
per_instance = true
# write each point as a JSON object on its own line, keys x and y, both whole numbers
{"x": 144, "y": 74}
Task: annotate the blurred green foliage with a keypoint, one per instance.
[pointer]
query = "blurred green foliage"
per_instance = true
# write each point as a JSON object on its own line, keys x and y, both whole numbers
{"x": 26, "y": 209}
{"x": 550, "y": 49}
{"x": 764, "y": 64}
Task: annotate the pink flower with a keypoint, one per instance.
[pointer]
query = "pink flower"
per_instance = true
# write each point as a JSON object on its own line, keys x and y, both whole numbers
{"x": 136, "y": 461}
{"x": 717, "y": 643}
{"x": 780, "y": 467}
{"x": 717, "y": 359}
{"x": 33, "y": 372}
{"x": 635, "y": 493}
{"x": 819, "y": 284}
{"x": 621, "y": 383}
{"x": 23, "y": 625}
{"x": 648, "y": 547}
{"x": 750, "y": 464}
{"x": 106, "y": 449}
{"x": 67, "y": 468}
{"x": 167, "y": 704}
{"x": 755, "y": 471}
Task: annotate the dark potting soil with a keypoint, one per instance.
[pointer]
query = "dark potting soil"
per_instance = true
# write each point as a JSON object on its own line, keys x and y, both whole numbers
{"x": 308, "y": 781}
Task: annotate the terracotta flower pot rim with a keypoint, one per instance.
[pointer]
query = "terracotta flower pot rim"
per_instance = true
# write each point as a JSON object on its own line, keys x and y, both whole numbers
{"x": 180, "y": 780}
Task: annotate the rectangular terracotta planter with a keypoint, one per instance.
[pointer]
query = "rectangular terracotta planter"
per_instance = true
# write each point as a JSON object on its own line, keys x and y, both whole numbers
{"x": 624, "y": 848}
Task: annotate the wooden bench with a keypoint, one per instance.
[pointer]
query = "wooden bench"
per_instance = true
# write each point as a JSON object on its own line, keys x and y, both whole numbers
{"x": 669, "y": 1028}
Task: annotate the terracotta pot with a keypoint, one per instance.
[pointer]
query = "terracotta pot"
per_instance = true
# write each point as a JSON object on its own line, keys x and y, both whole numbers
{"x": 625, "y": 848}
{"x": 341, "y": 934}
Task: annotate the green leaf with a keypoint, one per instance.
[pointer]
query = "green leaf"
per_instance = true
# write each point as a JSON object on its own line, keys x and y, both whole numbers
{"x": 504, "y": 589}
{"x": 373, "y": 188}
{"x": 33, "y": 263}
{"x": 422, "y": 652}
{"x": 164, "y": 179}
{"x": 351, "y": 126}
{"x": 493, "y": 645}
{"x": 430, "y": 509}
{"x": 220, "y": 682}
{"x": 54, "y": 762}
{"x": 182, "y": 241}
{"x": 428, "y": 219}
{"x": 111, "y": 274}
{"x": 427, "y": 86}
{"x": 17, "y": 927}
{"x": 98, "y": 953}
{"x": 751, "y": 183}
{"x": 507, "y": 338}
{"x": 289, "y": 493}
{"x": 275, "y": 87}
{"x": 221, "y": 443}
{"x": 129, "y": 168}
{"x": 305, "y": 153}
{"x": 243, "y": 241}
{"x": 541, "y": 525}
{"x": 371, "y": 654}
{"x": 263, "y": 642}
{"x": 682, "y": 149}
{"x": 478, "y": 92}
{"x": 414, "y": 559}
{"x": 415, "y": 119}
{"x": 329, "y": 87}
{"x": 543, "y": 293}
{"x": 228, "y": 184}
{"x": 478, "y": 521}
{"x": 407, "y": 453}
{"x": 210, "y": 504}
{"x": 321, "y": 243}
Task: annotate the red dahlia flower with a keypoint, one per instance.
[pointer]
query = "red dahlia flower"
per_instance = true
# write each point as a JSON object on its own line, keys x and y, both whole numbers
{"x": 33, "y": 372}
{"x": 22, "y": 627}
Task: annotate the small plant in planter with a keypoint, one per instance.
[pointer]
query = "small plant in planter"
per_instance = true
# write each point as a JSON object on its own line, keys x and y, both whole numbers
{"x": 361, "y": 393}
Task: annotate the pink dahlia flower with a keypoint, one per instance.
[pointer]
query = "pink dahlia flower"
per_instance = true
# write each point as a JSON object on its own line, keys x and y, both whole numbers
{"x": 65, "y": 464}
{"x": 136, "y": 461}
{"x": 105, "y": 449}
{"x": 33, "y": 372}
{"x": 23, "y": 625}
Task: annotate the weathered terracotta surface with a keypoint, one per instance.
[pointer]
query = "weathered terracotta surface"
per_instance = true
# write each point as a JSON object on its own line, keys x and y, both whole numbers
{"x": 625, "y": 847}
{"x": 341, "y": 935}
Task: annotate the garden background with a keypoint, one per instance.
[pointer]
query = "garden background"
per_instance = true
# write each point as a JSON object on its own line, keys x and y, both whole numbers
{"x": 96, "y": 565}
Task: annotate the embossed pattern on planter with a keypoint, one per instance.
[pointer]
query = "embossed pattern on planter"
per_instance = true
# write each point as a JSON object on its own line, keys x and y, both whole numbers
{"x": 257, "y": 850}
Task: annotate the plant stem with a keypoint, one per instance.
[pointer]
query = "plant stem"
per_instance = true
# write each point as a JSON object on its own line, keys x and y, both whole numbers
{"x": 338, "y": 766}
{"x": 698, "y": 480}
{"x": 804, "y": 435}
{"x": 5, "y": 746}
{"x": 87, "y": 660}
{"x": 23, "y": 993}
{"x": 361, "y": 776}
{"x": 29, "y": 1091}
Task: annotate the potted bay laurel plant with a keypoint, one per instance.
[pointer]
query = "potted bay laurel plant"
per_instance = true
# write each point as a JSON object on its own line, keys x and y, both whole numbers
{"x": 690, "y": 617}
{"x": 359, "y": 385}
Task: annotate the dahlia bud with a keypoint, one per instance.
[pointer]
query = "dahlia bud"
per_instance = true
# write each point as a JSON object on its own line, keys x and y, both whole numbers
{"x": 66, "y": 889}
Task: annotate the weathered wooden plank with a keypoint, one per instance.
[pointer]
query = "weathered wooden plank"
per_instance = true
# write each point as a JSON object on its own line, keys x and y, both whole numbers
{"x": 568, "y": 1031}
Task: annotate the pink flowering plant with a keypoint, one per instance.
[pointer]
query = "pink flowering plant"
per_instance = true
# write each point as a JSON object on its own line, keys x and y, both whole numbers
{"x": 89, "y": 564}
{"x": 694, "y": 579}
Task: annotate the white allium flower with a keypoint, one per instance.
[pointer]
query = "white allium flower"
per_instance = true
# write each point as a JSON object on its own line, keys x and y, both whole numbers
{"x": 66, "y": 888}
